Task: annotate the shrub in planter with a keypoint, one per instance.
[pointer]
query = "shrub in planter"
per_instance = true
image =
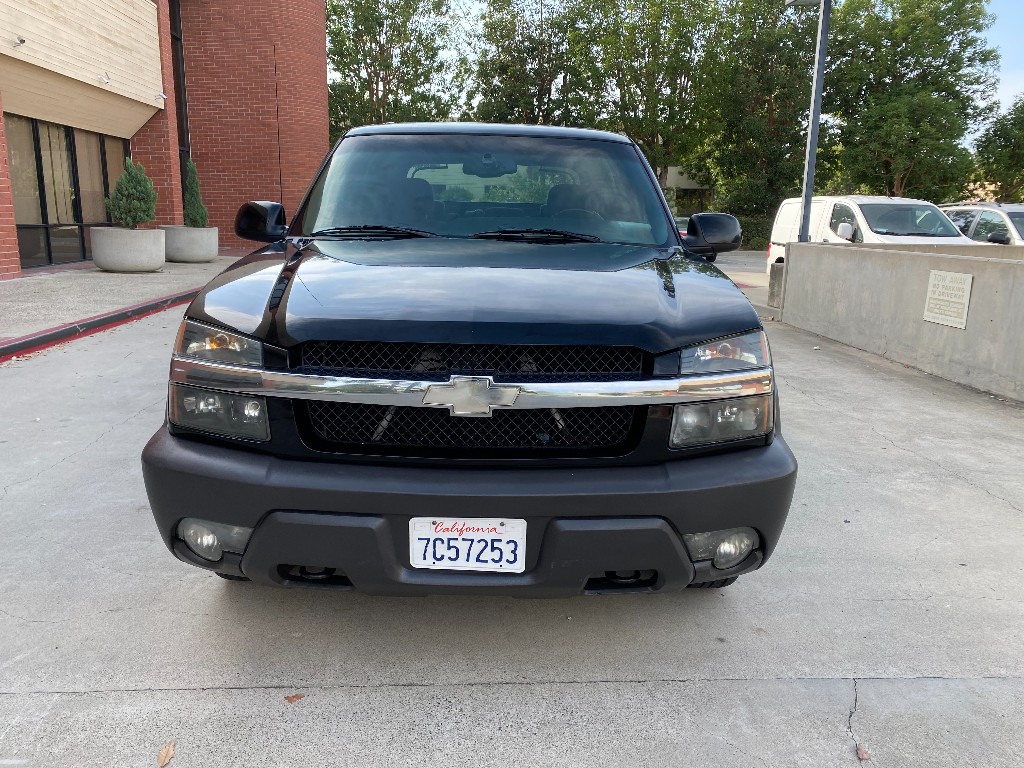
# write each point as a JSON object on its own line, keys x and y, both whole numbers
{"x": 194, "y": 242}
{"x": 126, "y": 248}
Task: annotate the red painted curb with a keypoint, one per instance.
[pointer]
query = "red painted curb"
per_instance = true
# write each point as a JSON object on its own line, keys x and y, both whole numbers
{"x": 60, "y": 334}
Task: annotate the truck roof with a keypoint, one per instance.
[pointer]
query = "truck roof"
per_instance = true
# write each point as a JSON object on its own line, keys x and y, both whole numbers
{"x": 489, "y": 129}
{"x": 863, "y": 199}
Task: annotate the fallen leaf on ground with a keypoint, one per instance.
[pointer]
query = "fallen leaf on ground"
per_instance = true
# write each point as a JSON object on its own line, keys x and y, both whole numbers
{"x": 294, "y": 697}
{"x": 862, "y": 753}
{"x": 165, "y": 755}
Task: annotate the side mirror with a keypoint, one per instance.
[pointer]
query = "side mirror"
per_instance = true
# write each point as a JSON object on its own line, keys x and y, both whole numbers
{"x": 262, "y": 221}
{"x": 845, "y": 231}
{"x": 999, "y": 238}
{"x": 708, "y": 234}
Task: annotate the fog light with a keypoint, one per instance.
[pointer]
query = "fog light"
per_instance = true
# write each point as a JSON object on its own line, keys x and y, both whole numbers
{"x": 734, "y": 549}
{"x": 211, "y": 540}
{"x": 725, "y": 548}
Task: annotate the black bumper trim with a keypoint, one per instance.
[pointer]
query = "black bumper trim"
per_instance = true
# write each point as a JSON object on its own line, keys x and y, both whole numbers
{"x": 627, "y": 511}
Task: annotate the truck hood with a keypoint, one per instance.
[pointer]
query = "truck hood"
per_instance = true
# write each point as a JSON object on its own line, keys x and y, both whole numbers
{"x": 475, "y": 291}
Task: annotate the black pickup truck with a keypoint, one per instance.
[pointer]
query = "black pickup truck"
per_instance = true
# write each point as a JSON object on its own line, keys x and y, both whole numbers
{"x": 480, "y": 360}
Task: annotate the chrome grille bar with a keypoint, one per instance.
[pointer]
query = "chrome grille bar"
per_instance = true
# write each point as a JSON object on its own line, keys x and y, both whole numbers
{"x": 683, "y": 389}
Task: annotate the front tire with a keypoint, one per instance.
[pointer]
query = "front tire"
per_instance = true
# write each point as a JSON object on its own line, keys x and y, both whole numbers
{"x": 711, "y": 258}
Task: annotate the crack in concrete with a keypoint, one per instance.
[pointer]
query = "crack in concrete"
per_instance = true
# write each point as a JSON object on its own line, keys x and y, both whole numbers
{"x": 125, "y": 609}
{"x": 29, "y": 621}
{"x": 904, "y": 448}
{"x": 517, "y": 683}
{"x": 85, "y": 448}
{"x": 853, "y": 712}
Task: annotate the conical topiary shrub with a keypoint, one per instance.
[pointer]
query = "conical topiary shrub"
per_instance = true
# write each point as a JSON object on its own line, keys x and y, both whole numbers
{"x": 195, "y": 211}
{"x": 196, "y": 241}
{"x": 134, "y": 199}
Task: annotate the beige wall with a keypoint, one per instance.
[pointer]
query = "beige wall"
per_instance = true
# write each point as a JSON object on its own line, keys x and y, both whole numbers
{"x": 677, "y": 178}
{"x": 70, "y": 47}
{"x": 874, "y": 299}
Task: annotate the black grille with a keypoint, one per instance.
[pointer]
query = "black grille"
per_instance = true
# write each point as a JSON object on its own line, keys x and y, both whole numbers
{"x": 436, "y": 362}
{"x": 360, "y": 428}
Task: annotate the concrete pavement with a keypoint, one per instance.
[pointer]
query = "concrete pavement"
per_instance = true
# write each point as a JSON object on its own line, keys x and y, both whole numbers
{"x": 890, "y": 615}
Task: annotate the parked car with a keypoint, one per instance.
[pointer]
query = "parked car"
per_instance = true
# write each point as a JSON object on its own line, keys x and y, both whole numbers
{"x": 862, "y": 219}
{"x": 478, "y": 361}
{"x": 681, "y": 223}
{"x": 996, "y": 223}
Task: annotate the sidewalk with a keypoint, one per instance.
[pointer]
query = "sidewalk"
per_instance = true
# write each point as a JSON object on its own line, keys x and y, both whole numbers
{"x": 49, "y": 306}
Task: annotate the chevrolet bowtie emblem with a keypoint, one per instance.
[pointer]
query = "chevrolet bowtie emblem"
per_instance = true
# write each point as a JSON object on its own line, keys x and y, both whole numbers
{"x": 470, "y": 395}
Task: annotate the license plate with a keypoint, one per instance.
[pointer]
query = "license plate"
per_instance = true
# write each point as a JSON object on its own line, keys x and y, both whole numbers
{"x": 468, "y": 544}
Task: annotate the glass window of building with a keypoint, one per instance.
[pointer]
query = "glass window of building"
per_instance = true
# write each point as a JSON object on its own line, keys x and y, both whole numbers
{"x": 60, "y": 178}
{"x": 90, "y": 177}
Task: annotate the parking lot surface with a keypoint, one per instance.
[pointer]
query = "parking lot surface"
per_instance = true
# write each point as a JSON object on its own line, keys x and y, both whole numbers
{"x": 890, "y": 615}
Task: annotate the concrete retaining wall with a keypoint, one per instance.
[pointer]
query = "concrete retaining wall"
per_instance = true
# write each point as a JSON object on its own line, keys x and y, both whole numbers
{"x": 981, "y": 250}
{"x": 874, "y": 299}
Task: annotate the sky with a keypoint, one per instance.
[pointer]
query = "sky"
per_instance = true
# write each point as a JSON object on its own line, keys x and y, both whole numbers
{"x": 1006, "y": 35}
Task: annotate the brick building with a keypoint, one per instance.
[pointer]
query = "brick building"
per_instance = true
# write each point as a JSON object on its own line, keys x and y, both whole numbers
{"x": 240, "y": 86}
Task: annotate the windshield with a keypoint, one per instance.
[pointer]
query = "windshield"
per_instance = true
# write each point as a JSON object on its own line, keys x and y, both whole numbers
{"x": 908, "y": 220}
{"x": 453, "y": 185}
{"x": 1018, "y": 222}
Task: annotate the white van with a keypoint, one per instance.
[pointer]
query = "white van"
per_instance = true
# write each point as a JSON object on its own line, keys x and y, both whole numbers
{"x": 867, "y": 220}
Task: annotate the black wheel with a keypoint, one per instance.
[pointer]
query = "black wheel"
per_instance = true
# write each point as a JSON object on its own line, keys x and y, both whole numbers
{"x": 713, "y": 584}
{"x": 710, "y": 258}
{"x": 232, "y": 577}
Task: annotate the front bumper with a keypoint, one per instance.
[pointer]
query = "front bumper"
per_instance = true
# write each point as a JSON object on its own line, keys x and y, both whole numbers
{"x": 581, "y": 522}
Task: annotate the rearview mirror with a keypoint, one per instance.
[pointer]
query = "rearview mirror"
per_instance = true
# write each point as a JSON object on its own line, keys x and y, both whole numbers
{"x": 708, "y": 234}
{"x": 999, "y": 238}
{"x": 262, "y": 221}
{"x": 845, "y": 231}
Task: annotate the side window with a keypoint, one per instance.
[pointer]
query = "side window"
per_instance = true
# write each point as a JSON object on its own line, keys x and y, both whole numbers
{"x": 844, "y": 214}
{"x": 962, "y": 217}
{"x": 990, "y": 223}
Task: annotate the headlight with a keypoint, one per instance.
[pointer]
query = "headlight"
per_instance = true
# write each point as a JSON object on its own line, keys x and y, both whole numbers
{"x": 219, "y": 413}
{"x": 736, "y": 353}
{"x": 209, "y": 343}
{"x": 719, "y": 421}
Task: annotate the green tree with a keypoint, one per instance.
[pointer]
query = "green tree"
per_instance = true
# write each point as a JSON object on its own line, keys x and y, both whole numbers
{"x": 1000, "y": 153}
{"x": 653, "y": 60}
{"x": 517, "y": 73}
{"x": 908, "y": 79}
{"x": 195, "y": 212}
{"x": 133, "y": 200}
{"x": 536, "y": 65}
{"x": 392, "y": 61}
{"x": 753, "y": 153}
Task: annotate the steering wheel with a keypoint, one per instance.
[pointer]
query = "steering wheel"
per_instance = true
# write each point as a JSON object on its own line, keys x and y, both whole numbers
{"x": 579, "y": 213}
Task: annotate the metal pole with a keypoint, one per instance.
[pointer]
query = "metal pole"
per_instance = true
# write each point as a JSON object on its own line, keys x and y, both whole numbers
{"x": 811, "y": 160}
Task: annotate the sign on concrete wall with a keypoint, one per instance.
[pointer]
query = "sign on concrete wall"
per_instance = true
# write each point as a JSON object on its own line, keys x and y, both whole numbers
{"x": 949, "y": 297}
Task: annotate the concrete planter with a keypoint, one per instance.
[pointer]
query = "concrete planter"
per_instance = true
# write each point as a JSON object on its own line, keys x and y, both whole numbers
{"x": 191, "y": 244}
{"x": 127, "y": 250}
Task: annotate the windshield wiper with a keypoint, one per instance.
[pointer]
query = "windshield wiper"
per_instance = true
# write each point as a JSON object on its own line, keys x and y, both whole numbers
{"x": 371, "y": 230}
{"x": 541, "y": 235}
